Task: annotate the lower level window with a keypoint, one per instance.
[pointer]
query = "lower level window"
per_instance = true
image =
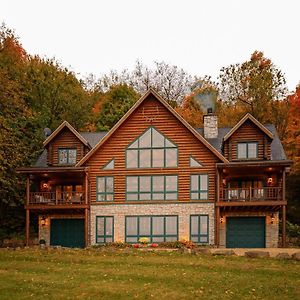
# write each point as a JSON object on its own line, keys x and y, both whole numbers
{"x": 157, "y": 228}
{"x": 104, "y": 229}
{"x": 199, "y": 228}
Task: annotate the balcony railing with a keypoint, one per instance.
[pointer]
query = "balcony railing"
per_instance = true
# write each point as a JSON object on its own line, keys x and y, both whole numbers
{"x": 53, "y": 198}
{"x": 251, "y": 194}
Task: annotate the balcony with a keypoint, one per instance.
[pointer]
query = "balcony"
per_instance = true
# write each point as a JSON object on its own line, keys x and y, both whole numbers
{"x": 54, "y": 198}
{"x": 251, "y": 194}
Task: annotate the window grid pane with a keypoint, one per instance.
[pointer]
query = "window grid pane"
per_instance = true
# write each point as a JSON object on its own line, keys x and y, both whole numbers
{"x": 199, "y": 187}
{"x": 104, "y": 229}
{"x": 156, "y": 228}
{"x": 67, "y": 156}
{"x": 199, "y": 228}
{"x": 155, "y": 187}
{"x": 105, "y": 188}
{"x": 247, "y": 150}
{"x": 152, "y": 150}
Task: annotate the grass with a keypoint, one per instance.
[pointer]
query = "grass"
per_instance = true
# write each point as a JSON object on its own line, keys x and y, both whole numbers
{"x": 94, "y": 274}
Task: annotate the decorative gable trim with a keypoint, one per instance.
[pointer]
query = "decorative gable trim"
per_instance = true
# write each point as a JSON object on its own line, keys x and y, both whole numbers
{"x": 170, "y": 109}
{"x": 71, "y": 128}
{"x": 248, "y": 116}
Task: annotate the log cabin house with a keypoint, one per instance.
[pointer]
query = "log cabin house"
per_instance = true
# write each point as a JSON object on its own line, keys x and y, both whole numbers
{"x": 153, "y": 175}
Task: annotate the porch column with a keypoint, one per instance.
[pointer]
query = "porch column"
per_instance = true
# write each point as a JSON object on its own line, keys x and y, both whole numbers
{"x": 86, "y": 210}
{"x": 86, "y": 227}
{"x": 27, "y": 226}
{"x": 217, "y": 233}
{"x": 283, "y": 211}
{"x": 86, "y": 186}
{"x": 27, "y": 189}
{"x": 283, "y": 226}
{"x": 217, "y": 211}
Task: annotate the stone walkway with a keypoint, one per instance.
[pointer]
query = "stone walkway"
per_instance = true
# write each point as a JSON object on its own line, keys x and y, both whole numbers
{"x": 272, "y": 251}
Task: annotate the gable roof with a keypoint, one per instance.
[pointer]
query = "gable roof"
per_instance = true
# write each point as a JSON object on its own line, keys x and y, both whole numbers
{"x": 60, "y": 128}
{"x": 277, "y": 151}
{"x": 248, "y": 116}
{"x": 170, "y": 109}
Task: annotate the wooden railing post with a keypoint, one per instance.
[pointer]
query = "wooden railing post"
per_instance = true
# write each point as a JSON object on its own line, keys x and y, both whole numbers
{"x": 28, "y": 189}
{"x": 283, "y": 226}
{"x": 250, "y": 191}
{"x": 27, "y": 226}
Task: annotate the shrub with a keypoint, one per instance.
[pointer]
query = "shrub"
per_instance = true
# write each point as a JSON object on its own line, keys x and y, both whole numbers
{"x": 42, "y": 242}
{"x": 144, "y": 240}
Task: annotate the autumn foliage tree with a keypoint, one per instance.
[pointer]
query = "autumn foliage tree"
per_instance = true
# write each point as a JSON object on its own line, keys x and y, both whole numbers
{"x": 292, "y": 137}
{"x": 253, "y": 85}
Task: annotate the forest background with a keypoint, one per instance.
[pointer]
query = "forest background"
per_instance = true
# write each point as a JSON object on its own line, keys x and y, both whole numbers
{"x": 38, "y": 93}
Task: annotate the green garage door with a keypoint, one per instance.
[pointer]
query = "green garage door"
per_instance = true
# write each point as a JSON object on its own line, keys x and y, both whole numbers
{"x": 67, "y": 232}
{"x": 245, "y": 232}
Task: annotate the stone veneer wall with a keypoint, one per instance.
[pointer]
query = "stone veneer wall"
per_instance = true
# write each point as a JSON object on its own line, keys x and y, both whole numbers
{"x": 210, "y": 125}
{"x": 182, "y": 210}
{"x": 272, "y": 230}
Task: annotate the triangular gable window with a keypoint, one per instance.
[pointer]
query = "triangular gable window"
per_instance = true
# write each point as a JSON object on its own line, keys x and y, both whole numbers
{"x": 152, "y": 150}
{"x": 194, "y": 163}
{"x": 110, "y": 165}
{"x": 151, "y": 138}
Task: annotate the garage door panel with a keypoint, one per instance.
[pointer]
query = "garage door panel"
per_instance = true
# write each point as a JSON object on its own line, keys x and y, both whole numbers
{"x": 245, "y": 232}
{"x": 67, "y": 233}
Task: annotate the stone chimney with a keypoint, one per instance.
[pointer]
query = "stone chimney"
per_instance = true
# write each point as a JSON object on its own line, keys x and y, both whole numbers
{"x": 210, "y": 123}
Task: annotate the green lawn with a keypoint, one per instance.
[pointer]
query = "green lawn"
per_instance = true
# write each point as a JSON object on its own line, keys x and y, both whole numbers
{"x": 92, "y": 274}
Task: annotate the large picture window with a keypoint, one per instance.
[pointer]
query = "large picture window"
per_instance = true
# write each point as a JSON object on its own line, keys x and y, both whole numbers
{"x": 199, "y": 187}
{"x": 67, "y": 156}
{"x": 152, "y": 150}
{"x": 199, "y": 228}
{"x": 104, "y": 229}
{"x": 247, "y": 150}
{"x": 157, "y": 228}
{"x": 105, "y": 188}
{"x": 156, "y": 187}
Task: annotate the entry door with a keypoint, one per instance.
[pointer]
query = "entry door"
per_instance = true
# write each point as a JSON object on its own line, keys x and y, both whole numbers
{"x": 67, "y": 233}
{"x": 245, "y": 232}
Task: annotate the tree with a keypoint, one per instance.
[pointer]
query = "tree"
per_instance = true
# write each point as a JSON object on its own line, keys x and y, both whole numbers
{"x": 253, "y": 85}
{"x": 292, "y": 137}
{"x": 55, "y": 94}
{"x": 18, "y": 140}
{"x": 115, "y": 103}
{"x": 171, "y": 82}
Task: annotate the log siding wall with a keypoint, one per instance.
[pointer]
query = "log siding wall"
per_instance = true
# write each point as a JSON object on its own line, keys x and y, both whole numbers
{"x": 152, "y": 113}
{"x": 248, "y": 132}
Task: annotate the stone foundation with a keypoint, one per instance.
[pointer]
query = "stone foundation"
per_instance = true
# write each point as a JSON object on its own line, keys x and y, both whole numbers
{"x": 182, "y": 210}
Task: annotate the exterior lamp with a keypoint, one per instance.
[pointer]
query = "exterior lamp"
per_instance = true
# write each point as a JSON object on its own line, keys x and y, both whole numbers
{"x": 270, "y": 180}
{"x": 43, "y": 221}
{"x": 272, "y": 218}
{"x": 222, "y": 219}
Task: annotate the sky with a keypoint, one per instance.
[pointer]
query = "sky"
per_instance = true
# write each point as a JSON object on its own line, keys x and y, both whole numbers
{"x": 96, "y": 36}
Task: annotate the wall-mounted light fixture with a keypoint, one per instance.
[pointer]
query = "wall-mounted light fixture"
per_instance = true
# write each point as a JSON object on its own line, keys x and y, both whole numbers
{"x": 222, "y": 219}
{"x": 45, "y": 185}
{"x": 224, "y": 181}
{"x": 272, "y": 218}
{"x": 270, "y": 180}
{"x": 43, "y": 221}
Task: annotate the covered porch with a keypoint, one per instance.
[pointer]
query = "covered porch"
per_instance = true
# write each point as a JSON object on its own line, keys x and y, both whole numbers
{"x": 59, "y": 191}
{"x": 251, "y": 189}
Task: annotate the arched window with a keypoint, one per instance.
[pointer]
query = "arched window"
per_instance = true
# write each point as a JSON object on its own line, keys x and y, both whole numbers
{"x": 151, "y": 150}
